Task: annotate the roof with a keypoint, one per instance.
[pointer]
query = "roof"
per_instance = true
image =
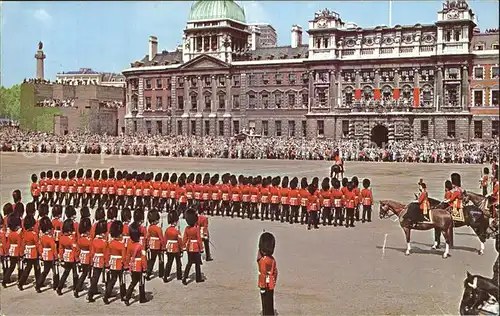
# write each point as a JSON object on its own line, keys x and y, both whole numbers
{"x": 216, "y": 10}
{"x": 279, "y": 52}
{"x": 82, "y": 71}
{"x": 164, "y": 58}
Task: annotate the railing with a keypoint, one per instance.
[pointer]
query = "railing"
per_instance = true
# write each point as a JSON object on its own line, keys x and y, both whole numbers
{"x": 426, "y": 49}
{"x": 367, "y": 51}
{"x": 387, "y": 50}
{"x": 406, "y": 50}
{"x": 348, "y": 52}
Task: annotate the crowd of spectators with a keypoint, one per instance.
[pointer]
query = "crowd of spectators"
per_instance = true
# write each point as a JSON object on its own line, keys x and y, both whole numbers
{"x": 111, "y": 104}
{"x": 15, "y": 140}
{"x": 56, "y": 103}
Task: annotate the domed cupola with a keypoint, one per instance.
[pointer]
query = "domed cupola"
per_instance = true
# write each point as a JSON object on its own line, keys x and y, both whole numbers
{"x": 206, "y": 10}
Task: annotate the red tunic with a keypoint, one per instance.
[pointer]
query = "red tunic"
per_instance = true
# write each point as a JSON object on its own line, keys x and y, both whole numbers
{"x": 155, "y": 238}
{"x": 30, "y": 241}
{"x": 68, "y": 251}
{"x": 191, "y": 239}
{"x": 225, "y": 192}
{"x": 84, "y": 244}
{"x": 285, "y": 194}
{"x": 325, "y": 198}
{"x": 216, "y": 193}
{"x": 337, "y": 197}
{"x": 203, "y": 225}
{"x": 111, "y": 183}
{"x": 156, "y": 186}
{"x": 312, "y": 203}
{"x": 236, "y": 193}
{"x": 274, "y": 192}
{"x": 268, "y": 273}
{"x": 423, "y": 200}
{"x": 366, "y": 197}
{"x": 349, "y": 199}
{"x": 138, "y": 188}
{"x": 130, "y": 186}
{"x": 43, "y": 185}
{"x": 98, "y": 252}
{"x": 80, "y": 186}
{"x": 146, "y": 188}
{"x": 15, "y": 246}
{"x": 254, "y": 194}
{"x": 72, "y": 186}
{"x": 189, "y": 191}
{"x": 198, "y": 189}
{"x": 47, "y": 248}
{"x": 64, "y": 185}
{"x": 181, "y": 195}
{"x": 264, "y": 195}
{"x": 165, "y": 190}
{"x": 173, "y": 239}
{"x": 116, "y": 255}
{"x": 96, "y": 186}
{"x": 57, "y": 226}
{"x": 35, "y": 190}
{"x": 136, "y": 257}
{"x": 294, "y": 197}
{"x": 304, "y": 197}
{"x": 88, "y": 185}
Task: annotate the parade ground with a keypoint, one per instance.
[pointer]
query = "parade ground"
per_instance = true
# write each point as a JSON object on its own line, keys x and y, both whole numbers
{"x": 330, "y": 271}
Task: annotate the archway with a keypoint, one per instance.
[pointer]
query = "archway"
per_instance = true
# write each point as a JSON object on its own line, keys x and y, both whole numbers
{"x": 380, "y": 135}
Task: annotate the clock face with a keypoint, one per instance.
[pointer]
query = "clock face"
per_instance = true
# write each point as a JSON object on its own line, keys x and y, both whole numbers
{"x": 453, "y": 14}
{"x": 322, "y": 23}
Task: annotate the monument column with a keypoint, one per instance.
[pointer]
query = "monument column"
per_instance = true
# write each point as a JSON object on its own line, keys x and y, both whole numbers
{"x": 40, "y": 56}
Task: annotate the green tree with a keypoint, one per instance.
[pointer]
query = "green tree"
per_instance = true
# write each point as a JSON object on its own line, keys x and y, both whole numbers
{"x": 10, "y": 102}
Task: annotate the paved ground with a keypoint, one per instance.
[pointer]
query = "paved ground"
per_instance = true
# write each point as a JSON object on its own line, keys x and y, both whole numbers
{"x": 330, "y": 271}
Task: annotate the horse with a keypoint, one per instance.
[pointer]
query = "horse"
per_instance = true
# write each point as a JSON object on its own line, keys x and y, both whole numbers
{"x": 480, "y": 296}
{"x": 335, "y": 170}
{"x": 473, "y": 217}
{"x": 441, "y": 219}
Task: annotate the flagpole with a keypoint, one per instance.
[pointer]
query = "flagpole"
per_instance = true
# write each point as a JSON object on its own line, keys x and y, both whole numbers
{"x": 390, "y": 13}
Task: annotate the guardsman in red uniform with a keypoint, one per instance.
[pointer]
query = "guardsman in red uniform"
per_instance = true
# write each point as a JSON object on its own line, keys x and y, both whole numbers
{"x": 14, "y": 246}
{"x": 181, "y": 195}
{"x": 120, "y": 190}
{"x": 156, "y": 187}
{"x": 190, "y": 189}
{"x": 71, "y": 197}
{"x": 202, "y": 223}
{"x": 147, "y": 190}
{"x": 35, "y": 190}
{"x": 98, "y": 255}
{"x": 483, "y": 182}
{"x": 337, "y": 202}
{"x": 42, "y": 184}
{"x": 111, "y": 183}
{"x": 126, "y": 217}
{"x": 80, "y": 188}
{"x": 87, "y": 183}
{"x": 304, "y": 199}
{"x": 115, "y": 261}
{"x": 268, "y": 272}
{"x": 103, "y": 189}
{"x": 165, "y": 193}
{"x": 349, "y": 204}
{"x": 215, "y": 195}
{"x": 367, "y": 201}
{"x": 7, "y": 210}
{"x": 140, "y": 185}
{"x": 111, "y": 215}
{"x": 173, "y": 247}
{"x": 57, "y": 187}
{"x": 313, "y": 206}
{"x": 455, "y": 200}
{"x": 294, "y": 201}
{"x": 225, "y": 190}
{"x": 50, "y": 188}
{"x": 235, "y": 197}
{"x": 197, "y": 191}
{"x": 275, "y": 193}
{"x": 139, "y": 220}
{"x": 57, "y": 224}
{"x": 96, "y": 188}
{"x": 136, "y": 262}
{"x": 447, "y": 189}
{"x": 48, "y": 254}
{"x": 99, "y": 215}
{"x": 192, "y": 243}
{"x": 84, "y": 243}
{"x": 254, "y": 197}
{"x": 423, "y": 201}
{"x": 285, "y": 200}
{"x": 3, "y": 243}
{"x": 63, "y": 184}
{"x": 30, "y": 242}
{"x": 130, "y": 191}
{"x": 325, "y": 199}
{"x": 70, "y": 213}
{"x": 155, "y": 244}
{"x": 68, "y": 252}
{"x": 245, "y": 196}
{"x": 206, "y": 193}
{"x": 265, "y": 199}
{"x": 172, "y": 201}
{"x": 355, "y": 183}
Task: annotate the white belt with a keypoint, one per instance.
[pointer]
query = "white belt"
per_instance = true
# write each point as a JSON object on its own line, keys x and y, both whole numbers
{"x": 46, "y": 249}
{"x": 68, "y": 250}
{"x": 85, "y": 251}
{"x": 193, "y": 240}
{"x": 137, "y": 259}
{"x": 30, "y": 246}
{"x": 154, "y": 238}
{"x": 98, "y": 254}
{"x": 171, "y": 241}
{"x": 115, "y": 257}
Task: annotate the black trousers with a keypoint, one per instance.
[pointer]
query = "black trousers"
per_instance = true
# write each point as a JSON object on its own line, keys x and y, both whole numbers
{"x": 68, "y": 267}
{"x": 253, "y": 210}
{"x": 36, "y": 201}
{"x": 120, "y": 201}
{"x": 339, "y": 217}
{"x": 13, "y": 262}
{"x": 294, "y": 216}
{"x": 225, "y": 208}
{"x": 96, "y": 273}
{"x": 349, "y": 221}
{"x": 285, "y": 212}
{"x": 356, "y": 212}
{"x": 236, "y": 209}
{"x": 367, "y": 213}
{"x": 313, "y": 219}
{"x": 193, "y": 257}
{"x": 47, "y": 266}
{"x": 171, "y": 256}
{"x": 275, "y": 211}
{"x": 152, "y": 260}
{"x": 85, "y": 273}
{"x": 115, "y": 275}
{"x": 30, "y": 263}
{"x": 264, "y": 211}
{"x": 267, "y": 299}
{"x": 304, "y": 215}
{"x": 245, "y": 209}
{"x": 206, "y": 244}
{"x": 130, "y": 201}
{"x": 136, "y": 278}
{"x": 327, "y": 216}
{"x": 485, "y": 191}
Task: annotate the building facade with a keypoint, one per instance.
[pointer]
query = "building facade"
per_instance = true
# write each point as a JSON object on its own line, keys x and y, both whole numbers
{"x": 89, "y": 76}
{"x": 372, "y": 84}
{"x": 267, "y": 35}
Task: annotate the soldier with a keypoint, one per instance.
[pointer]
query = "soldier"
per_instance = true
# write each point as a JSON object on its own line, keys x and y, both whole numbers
{"x": 447, "y": 189}
{"x": 192, "y": 243}
{"x": 30, "y": 243}
{"x": 57, "y": 224}
{"x": 274, "y": 191}
{"x": 215, "y": 195}
{"x": 43, "y": 187}
{"x": 84, "y": 243}
{"x": 120, "y": 190}
{"x": 254, "y": 198}
{"x": 235, "y": 197}
{"x": 367, "y": 200}
{"x": 98, "y": 251}
{"x": 285, "y": 202}
{"x": 80, "y": 188}
{"x": 96, "y": 188}
{"x": 268, "y": 272}
{"x": 155, "y": 243}
{"x": 165, "y": 193}
{"x": 264, "y": 199}
{"x": 146, "y": 190}
{"x": 312, "y": 207}
{"x": 173, "y": 247}
{"x": 103, "y": 186}
{"x": 455, "y": 200}
{"x": 115, "y": 261}
{"x": 88, "y": 182}
{"x": 156, "y": 187}
{"x": 337, "y": 197}
{"x": 181, "y": 196}
{"x": 202, "y": 223}
{"x": 57, "y": 188}
{"x": 245, "y": 196}
{"x": 3, "y": 243}
{"x": 483, "y": 182}
{"x": 304, "y": 199}
{"x": 349, "y": 204}
{"x": 126, "y": 217}
{"x": 63, "y": 184}
{"x": 173, "y": 205}
{"x": 494, "y": 197}
{"x": 325, "y": 200}
{"x": 48, "y": 253}
{"x": 206, "y": 192}
{"x": 50, "y": 188}
{"x": 70, "y": 213}
{"x": 423, "y": 201}
{"x": 190, "y": 189}
{"x": 130, "y": 190}
{"x": 136, "y": 261}
{"x": 72, "y": 188}
{"x": 14, "y": 245}
{"x": 139, "y": 220}
{"x": 355, "y": 183}
{"x": 294, "y": 200}
{"x": 35, "y": 189}
{"x": 111, "y": 183}
{"x": 197, "y": 191}
{"x": 99, "y": 215}
{"x": 68, "y": 252}
{"x": 225, "y": 190}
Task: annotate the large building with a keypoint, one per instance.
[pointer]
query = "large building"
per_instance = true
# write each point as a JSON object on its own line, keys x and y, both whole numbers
{"x": 407, "y": 82}
{"x": 267, "y": 35}
{"x": 89, "y": 76}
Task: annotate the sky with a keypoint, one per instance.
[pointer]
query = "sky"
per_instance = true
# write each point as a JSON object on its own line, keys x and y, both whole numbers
{"x": 108, "y": 36}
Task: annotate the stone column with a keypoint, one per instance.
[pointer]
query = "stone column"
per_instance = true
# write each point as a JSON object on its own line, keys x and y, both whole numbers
{"x": 339, "y": 89}
{"x": 229, "y": 101}
{"x": 40, "y": 56}
{"x": 465, "y": 88}
{"x": 331, "y": 90}
{"x": 439, "y": 88}
{"x": 210, "y": 43}
{"x": 214, "y": 95}
{"x": 200, "y": 96}
{"x": 358, "y": 80}
{"x": 311, "y": 90}
{"x": 186, "y": 96}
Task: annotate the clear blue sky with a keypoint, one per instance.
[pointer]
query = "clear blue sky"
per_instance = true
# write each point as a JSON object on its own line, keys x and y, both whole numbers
{"x": 107, "y": 36}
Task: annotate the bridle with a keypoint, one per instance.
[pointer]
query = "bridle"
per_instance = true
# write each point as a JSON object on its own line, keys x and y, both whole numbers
{"x": 388, "y": 211}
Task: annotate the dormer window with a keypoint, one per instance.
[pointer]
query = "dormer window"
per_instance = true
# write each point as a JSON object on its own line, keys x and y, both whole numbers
{"x": 318, "y": 43}
{"x": 448, "y": 36}
{"x": 456, "y": 36}
{"x": 326, "y": 42}
{"x": 479, "y": 47}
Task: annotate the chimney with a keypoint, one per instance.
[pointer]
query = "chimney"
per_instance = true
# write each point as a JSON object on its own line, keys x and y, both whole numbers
{"x": 296, "y": 36}
{"x": 153, "y": 47}
{"x": 254, "y": 37}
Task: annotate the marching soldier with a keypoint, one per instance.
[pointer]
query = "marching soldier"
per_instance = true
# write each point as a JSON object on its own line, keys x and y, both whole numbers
{"x": 225, "y": 190}
{"x": 48, "y": 253}
{"x": 50, "y": 187}
{"x": 155, "y": 243}
{"x": 337, "y": 197}
{"x": 165, "y": 193}
{"x": 136, "y": 262}
{"x": 173, "y": 247}
{"x": 192, "y": 243}
{"x": 14, "y": 246}
{"x": 98, "y": 216}
{"x": 349, "y": 204}
{"x": 173, "y": 205}
{"x": 63, "y": 188}
{"x": 264, "y": 199}
{"x": 98, "y": 252}
{"x": 43, "y": 187}
{"x": 197, "y": 189}
{"x": 325, "y": 200}
{"x": 483, "y": 182}
{"x": 120, "y": 190}
{"x": 87, "y": 182}
{"x": 206, "y": 192}
{"x": 285, "y": 200}
{"x": 96, "y": 188}
{"x": 312, "y": 207}
{"x": 129, "y": 191}
{"x": 181, "y": 196}
{"x": 30, "y": 243}
{"x": 156, "y": 187}
{"x": 68, "y": 252}
{"x": 274, "y": 192}
{"x": 115, "y": 261}
{"x": 112, "y": 186}
{"x": 355, "y": 183}
{"x": 202, "y": 223}
{"x": 80, "y": 188}
{"x": 84, "y": 244}
{"x": 254, "y": 198}
{"x": 367, "y": 200}
{"x": 57, "y": 224}
{"x": 57, "y": 188}
{"x": 126, "y": 217}
{"x": 294, "y": 200}
{"x": 147, "y": 190}
{"x": 304, "y": 200}
{"x": 245, "y": 196}
{"x": 72, "y": 188}
{"x": 103, "y": 189}
{"x": 268, "y": 272}
{"x": 189, "y": 189}
{"x": 35, "y": 190}
{"x": 235, "y": 197}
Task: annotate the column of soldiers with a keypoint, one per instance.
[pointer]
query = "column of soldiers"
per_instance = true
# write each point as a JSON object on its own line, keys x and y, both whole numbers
{"x": 108, "y": 248}
{"x": 265, "y": 198}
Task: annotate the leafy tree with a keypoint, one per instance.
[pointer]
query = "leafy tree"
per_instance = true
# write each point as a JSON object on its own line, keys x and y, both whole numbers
{"x": 10, "y": 102}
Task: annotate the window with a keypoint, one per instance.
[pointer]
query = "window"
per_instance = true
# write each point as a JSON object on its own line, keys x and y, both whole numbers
{"x": 478, "y": 129}
{"x": 424, "y": 128}
{"x": 221, "y": 128}
{"x": 265, "y": 128}
{"x": 291, "y": 100}
{"x": 148, "y": 83}
{"x": 345, "y": 128}
{"x": 278, "y": 128}
{"x": 222, "y": 81}
{"x": 194, "y": 103}
{"x": 325, "y": 42}
{"x": 479, "y": 47}
{"x": 321, "y": 127}
{"x": 207, "y": 128}
{"x": 494, "y": 128}
{"x": 495, "y": 46}
{"x": 291, "y": 128}
{"x": 451, "y": 128}
{"x": 236, "y": 127}
{"x": 292, "y": 78}
{"x": 494, "y": 98}
{"x": 193, "y": 127}
{"x": 322, "y": 98}
{"x": 180, "y": 82}
{"x": 169, "y": 102}
{"x": 159, "y": 84}
{"x": 180, "y": 102}
{"x": 222, "y": 101}
{"x": 251, "y": 101}
{"x": 148, "y": 127}
{"x": 305, "y": 99}
{"x": 135, "y": 126}
{"x": 448, "y": 36}
{"x": 478, "y": 73}
{"x": 159, "y": 102}
{"x": 207, "y": 81}
{"x": 265, "y": 100}
{"x": 236, "y": 101}
{"x": 305, "y": 78}
{"x": 456, "y": 36}
{"x": 265, "y": 79}
{"x": 277, "y": 99}
{"x": 494, "y": 72}
{"x": 148, "y": 103}
{"x": 236, "y": 80}
{"x": 304, "y": 128}
{"x": 208, "y": 101}
{"x": 478, "y": 98}
{"x": 179, "y": 127}
{"x": 159, "y": 127}
{"x": 278, "y": 78}
{"x": 194, "y": 81}
{"x": 169, "y": 83}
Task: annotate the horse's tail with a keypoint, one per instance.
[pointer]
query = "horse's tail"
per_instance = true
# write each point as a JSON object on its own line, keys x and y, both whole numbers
{"x": 449, "y": 231}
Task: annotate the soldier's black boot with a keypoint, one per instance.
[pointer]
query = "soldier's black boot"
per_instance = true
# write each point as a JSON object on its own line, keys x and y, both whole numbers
{"x": 142, "y": 294}
{"x": 184, "y": 278}
{"x": 123, "y": 291}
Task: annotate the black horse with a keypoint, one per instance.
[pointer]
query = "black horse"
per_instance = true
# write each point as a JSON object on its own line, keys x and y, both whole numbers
{"x": 335, "y": 170}
{"x": 480, "y": 296}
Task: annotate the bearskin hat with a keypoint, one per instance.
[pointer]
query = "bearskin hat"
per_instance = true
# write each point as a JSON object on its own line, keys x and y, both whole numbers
{"x": 134, "y": 232}
{"x": 129, "y": 177}
{"x": 275, "y": 181}
{"x": 198, "y": 178}
{"x": 173, "y": 178}
{"x": 134, "y": 174}
{"x": 16, "y": 196}
{"x": 249, "y": 180}
{"x": 84, "y": 212}
{"x": 64, "y": 174}
{"x": 97, "y": 174}
{"x": 116, "y": 229}
{"x": 244, "y": 180}
{"x": 355, "y": 181}
{"x": 350, "y": 186}
{"x": 456, "y": 180}
{"x": 183, "y": 176}
{"x": 240, "y": 179}
{"x": 165, "y": 177}
{"x": 79, "y": 173}
{"x": 224, "y": 178}
{"x": 30, "y": 208}
{"x": 42, "y": 175}
{"x": 213, "y": 180}
{"x": 423, "y": 185}
{"x": 43, "y": 210}
{"x": 173, "y": 217}
{"x": 151, "y": 176}
{"x": 267, "y": 243}
{"x": 88, "y": 174}
{"x": 119, "y": 175}
{"x": 84, "y": 226}
{"x": 269, "y": 179}
{"x": 111, "y": 173}
{"x": 265, "y": 182}
{"x": 191, "y": 217}
{"x": 70, "y": 211}
{"x": 138, "y": 215}
{"x": 190, "y": 178}
{"x": 366, "y": 183}
{"x": 206, "y": 179}
{"x": 29, "y": 222}
{"x": 294, "y": 183}
{"x": 72, "y": 174}
{"x": 153, "y": 216}
{"x": 315, "y": 180}
{"x": 486, "y": 170}
{"x": 234, "y": 182}
{"x": 325, "y": 185}
{"x": 335, "y": 183}
{"x": 19, "y": 209}
{"x": 104, "y": 175}
{"x": 124, "y": 174}
{"x": 126, "y": 215}
{"x": 101, "y": 227}
{"x": 158, "y": 177}
{"x": 57, "y": 211}
{"x": 49, "y": 174}
{"x": 13, "y": 222}
{"x": 311, "y": 188}
{"x": 56, "y": 174}
{"x": 34, "y": 178}
{"x": 303, "y": 183}
{"x": 7, "y": 209}
{"x": 257, "y": 180}
{"x": 448, "y": 185}
{"x": 140, "y": 176}
{"x": 112, "y": 212}
{"x": 181, "y": 182}
{"x": 68, "y": 226}
{"x": 45, "y": 224}
{"x": 284, "y": 182}
{"x": 344, "y": 182}
{"x": 99, "y": 214}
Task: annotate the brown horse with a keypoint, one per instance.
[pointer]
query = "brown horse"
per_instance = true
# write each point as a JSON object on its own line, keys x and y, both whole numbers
{"x": 440, "y": 220}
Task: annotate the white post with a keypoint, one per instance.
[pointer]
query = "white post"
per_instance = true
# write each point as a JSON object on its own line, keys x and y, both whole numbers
{"x": 390, "y": 13}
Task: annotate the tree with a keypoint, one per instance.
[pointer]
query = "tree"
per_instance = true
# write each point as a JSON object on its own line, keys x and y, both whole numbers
{"x": 10, "y": 102}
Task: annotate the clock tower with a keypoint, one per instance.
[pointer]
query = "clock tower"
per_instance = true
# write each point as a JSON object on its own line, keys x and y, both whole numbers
{"x": 455, "y": 25}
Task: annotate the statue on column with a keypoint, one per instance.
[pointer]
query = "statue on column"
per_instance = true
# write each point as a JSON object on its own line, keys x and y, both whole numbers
{"x": 40, "y": 45}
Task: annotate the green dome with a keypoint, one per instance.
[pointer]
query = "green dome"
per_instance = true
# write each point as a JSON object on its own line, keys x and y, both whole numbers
{"x": 216, "y": 10}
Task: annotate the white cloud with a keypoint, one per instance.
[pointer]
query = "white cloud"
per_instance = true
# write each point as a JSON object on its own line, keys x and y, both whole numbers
{"x": 43, "y": 16}
{"x": 255, "y": 12}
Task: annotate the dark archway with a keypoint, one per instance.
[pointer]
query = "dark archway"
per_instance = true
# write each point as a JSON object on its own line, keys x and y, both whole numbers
{"x": 380, "y": 135}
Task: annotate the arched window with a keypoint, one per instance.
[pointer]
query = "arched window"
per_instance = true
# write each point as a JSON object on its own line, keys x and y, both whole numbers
{"x": 348, "y": 96}
{"x": 427, "y": 96}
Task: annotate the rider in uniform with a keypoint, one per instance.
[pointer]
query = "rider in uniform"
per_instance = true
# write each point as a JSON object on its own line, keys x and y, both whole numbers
{"x": 455, "y": 200}
{"x": 483, "y": 182}
{"x": 423, "y": 201}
